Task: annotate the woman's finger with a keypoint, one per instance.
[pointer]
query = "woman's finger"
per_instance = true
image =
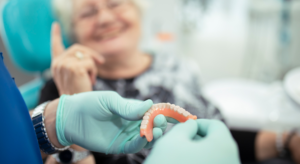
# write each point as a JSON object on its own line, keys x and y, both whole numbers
{"x": 90, "y": 66}
{"x": 57, "y": 46}
{"x": 87, "y": 52}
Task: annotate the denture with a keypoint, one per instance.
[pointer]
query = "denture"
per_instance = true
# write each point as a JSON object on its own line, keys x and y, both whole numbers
{"x": 166, "y": 109}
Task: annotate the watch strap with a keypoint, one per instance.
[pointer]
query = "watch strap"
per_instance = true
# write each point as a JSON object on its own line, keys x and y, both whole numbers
{"x": 41, "y": 135}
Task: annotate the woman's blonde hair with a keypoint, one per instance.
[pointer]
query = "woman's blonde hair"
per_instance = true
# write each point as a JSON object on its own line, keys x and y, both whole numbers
{"x": 63, "y": 10}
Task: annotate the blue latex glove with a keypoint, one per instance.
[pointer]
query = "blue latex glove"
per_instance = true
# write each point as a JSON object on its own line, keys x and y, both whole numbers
{"x": 104, "y": 122}
{"x": 200, "y": 141}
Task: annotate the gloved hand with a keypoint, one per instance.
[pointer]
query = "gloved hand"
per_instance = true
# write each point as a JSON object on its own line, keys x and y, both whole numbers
{"x": 104, "y": 122}
{"x": 200, "y": 141}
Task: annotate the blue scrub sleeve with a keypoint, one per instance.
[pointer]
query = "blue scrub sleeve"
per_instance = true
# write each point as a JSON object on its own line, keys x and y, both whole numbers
{"x": 17, "y": 137}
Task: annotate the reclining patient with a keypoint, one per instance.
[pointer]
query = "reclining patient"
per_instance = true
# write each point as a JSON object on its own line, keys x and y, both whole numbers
{"x": 105, "y": 55}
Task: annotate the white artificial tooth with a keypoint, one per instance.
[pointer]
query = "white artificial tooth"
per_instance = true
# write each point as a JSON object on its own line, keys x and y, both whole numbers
{"x": 146, "y": 118}
{"x": 153, "y": 110}
{"x": 176, "y": 108}
{"x": 143, "y": 126}
{"x": 158, "y": 106}
{"x": 185, "y": 113}
{"x": 180, "y": 111}
{"x": 169, "y": 105}
{"x": 172, "y": 107}
{"x": 147, "y": 114}
{"x": 145, "y": 122}
{"x": 163, "y": 106}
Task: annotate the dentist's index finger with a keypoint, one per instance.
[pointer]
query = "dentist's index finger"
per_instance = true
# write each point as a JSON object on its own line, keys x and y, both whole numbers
{"x": 212, "y": 128}
{"x": 57, "y": 46}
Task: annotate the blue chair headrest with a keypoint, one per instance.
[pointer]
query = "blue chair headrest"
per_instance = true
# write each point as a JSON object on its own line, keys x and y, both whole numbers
{"x": 26, "y": 26}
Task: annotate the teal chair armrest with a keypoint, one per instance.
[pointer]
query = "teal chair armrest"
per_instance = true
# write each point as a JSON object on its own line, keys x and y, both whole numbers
{"x": 31, "y": 92}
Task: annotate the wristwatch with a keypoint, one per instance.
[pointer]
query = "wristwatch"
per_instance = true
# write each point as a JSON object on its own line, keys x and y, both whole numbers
{"x": 40, "y": 130}
{"x": 70, "y": 156}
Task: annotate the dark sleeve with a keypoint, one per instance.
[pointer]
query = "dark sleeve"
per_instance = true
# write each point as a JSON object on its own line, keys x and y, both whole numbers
{"x": 246, "y": 144}
{"x": 49, "y": 92}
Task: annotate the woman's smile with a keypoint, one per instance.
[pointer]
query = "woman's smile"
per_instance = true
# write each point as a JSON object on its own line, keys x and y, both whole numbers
{"x": 109, "y": 34}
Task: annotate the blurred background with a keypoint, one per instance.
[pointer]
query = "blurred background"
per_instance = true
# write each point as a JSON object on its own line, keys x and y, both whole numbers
{"x": 244, "y": 48}
{"x": 255, "y": 39}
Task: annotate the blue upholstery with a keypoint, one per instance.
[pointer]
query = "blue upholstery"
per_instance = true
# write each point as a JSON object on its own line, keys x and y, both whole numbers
{"x": 25, "y": 30}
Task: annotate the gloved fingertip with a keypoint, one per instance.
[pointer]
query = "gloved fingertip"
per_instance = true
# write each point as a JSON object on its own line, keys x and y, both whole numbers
{"x": 148, "y": 103}
{"x": 135, "y": 145}
{"x": 143, "y": 107}
{"x": 134, "y": 110}
{"x": 211, "y": 127}
{"x": 157, "y": 133}
{"x": 190, "y": 122}
{"x": 160, "y": 121}
{"x": 149, "y": 145}
{"x": 197, "y": 138}
{"x": 188, "y": 129}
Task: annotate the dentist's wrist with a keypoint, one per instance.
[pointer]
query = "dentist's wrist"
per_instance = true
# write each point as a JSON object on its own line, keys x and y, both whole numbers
{"x": 50, "y": 122}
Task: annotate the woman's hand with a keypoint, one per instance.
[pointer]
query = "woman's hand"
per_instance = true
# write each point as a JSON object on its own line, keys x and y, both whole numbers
{"x": 266, "y": 146}
{"x": 295, "y": 148}
{"x": 75, "y": 69}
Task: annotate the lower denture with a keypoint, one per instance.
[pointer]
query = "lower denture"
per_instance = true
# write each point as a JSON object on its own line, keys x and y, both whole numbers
{"x": 164, "y": 109}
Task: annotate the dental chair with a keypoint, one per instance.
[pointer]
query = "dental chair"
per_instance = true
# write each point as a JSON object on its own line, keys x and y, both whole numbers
{"x": 25, "y": 27}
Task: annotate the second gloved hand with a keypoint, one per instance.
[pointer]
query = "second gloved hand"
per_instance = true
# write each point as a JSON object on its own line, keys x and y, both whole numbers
{"x": 194, "y": 142}
{"x": 104, "y": 122}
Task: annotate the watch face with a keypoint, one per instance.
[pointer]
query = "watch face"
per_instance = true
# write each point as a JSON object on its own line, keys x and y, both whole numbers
{"x": 65, "y": 156}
